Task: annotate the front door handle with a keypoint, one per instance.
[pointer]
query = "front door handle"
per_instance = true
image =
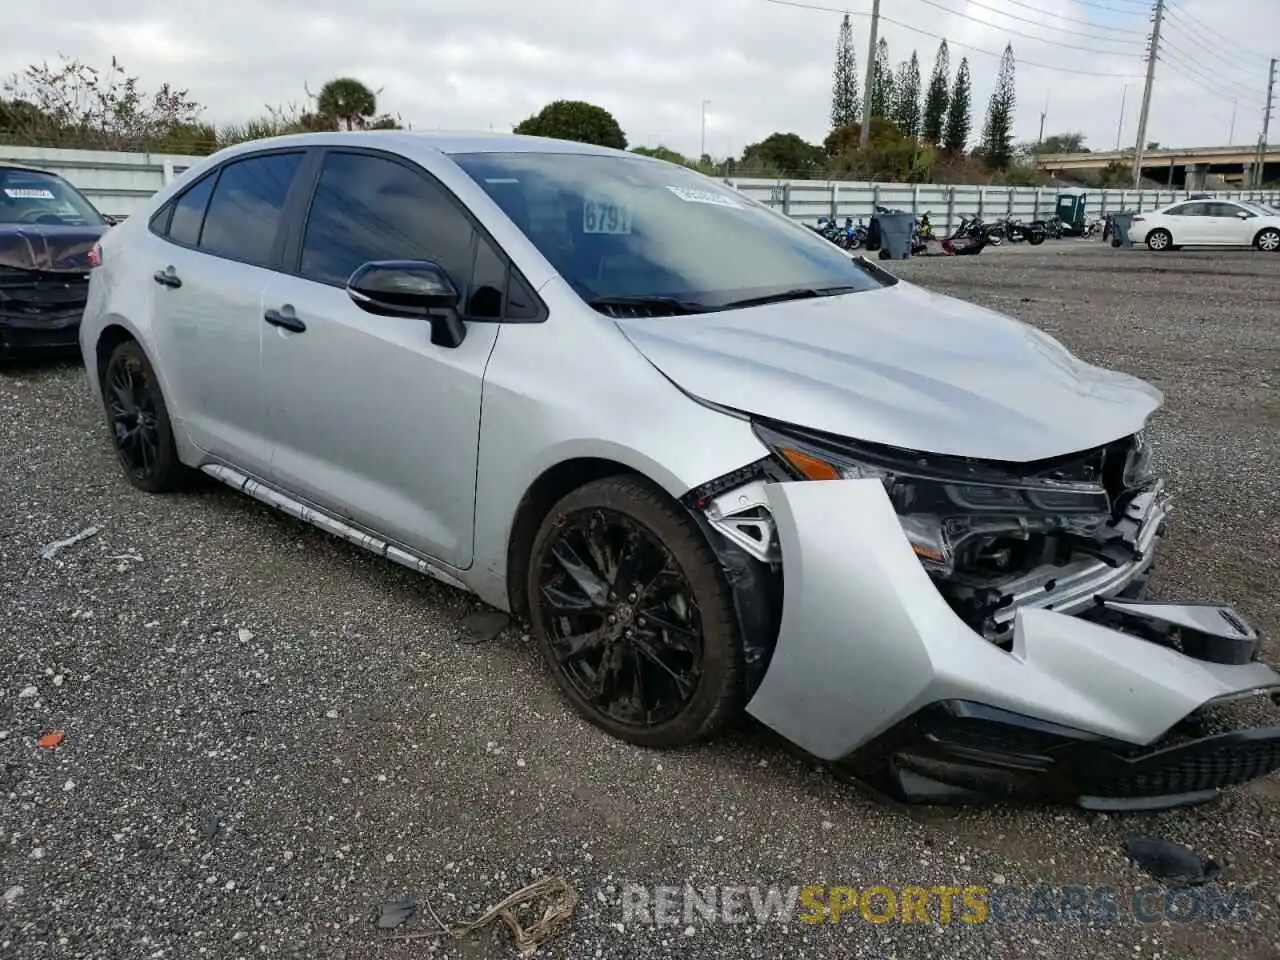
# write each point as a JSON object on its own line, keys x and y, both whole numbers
{"x": 285, "y": 317}
{"x": 168, "y": 277}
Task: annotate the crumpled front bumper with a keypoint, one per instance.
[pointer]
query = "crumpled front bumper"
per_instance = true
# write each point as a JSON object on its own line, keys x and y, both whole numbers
{"x": 871, "y": 661}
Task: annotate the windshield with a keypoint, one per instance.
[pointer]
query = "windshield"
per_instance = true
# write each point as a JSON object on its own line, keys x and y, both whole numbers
{"x": 36, "y": 197}
{"x": 1257, "y": 207}
{"x": 623, "y": 229}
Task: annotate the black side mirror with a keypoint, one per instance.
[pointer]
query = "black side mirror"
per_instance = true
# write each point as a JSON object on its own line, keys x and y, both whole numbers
{"x": 109, "y": 220}
{"x": 410, "y": 288}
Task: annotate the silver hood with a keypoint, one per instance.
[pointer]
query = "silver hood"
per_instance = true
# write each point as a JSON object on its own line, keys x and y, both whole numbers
{"x": 903, "y": 367}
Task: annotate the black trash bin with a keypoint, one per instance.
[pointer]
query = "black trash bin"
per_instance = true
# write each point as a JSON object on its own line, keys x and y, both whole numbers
{"x": 895, "y": 232}
{"x": 1120, "y": 224}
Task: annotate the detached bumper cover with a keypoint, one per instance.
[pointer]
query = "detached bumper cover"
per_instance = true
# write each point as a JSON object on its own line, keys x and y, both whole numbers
{"x": 870, "y": 660}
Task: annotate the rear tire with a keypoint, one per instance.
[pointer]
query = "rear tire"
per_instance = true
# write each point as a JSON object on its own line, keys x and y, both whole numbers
{"x": 633, "y": 616}
{"x": 1268, "y": 240}
{"x": 1160, "y": 240}
{"x": 141, "y": 431}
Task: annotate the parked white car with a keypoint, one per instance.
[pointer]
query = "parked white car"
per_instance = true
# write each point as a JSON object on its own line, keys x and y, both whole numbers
{"x": 1208, "y": 223}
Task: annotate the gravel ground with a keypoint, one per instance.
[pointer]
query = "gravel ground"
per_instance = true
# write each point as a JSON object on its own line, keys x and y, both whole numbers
{"x": 268, "y": 733}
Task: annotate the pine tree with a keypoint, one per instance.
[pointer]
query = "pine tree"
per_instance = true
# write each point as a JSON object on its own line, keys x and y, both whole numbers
{"x": 906, "y": 97}
{"x": 997, "y": 132}
{"x": 956, "y": 136}
{"x": 934, "y": 121}
{"x": 846, "y": 105}
{"x": 882, "y": 85}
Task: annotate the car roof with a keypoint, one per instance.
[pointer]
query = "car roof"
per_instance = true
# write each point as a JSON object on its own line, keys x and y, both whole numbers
{"x": 26, "y": 168}
{"x": 442, "y": 141}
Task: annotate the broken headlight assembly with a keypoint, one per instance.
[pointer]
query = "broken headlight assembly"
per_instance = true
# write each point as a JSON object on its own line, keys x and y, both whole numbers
{"x": 968, "y": 517}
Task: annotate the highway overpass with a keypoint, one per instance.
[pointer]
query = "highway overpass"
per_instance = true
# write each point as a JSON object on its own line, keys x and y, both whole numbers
{"x": 1191, "y": 168}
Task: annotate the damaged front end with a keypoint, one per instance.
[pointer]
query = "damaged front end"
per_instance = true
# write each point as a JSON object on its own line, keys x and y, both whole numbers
{"x": 953, "y": 628}
{"x": 44, "y": 272}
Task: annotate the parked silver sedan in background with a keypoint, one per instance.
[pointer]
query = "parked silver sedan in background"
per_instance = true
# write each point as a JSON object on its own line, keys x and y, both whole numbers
{"x": 717, "y": 463}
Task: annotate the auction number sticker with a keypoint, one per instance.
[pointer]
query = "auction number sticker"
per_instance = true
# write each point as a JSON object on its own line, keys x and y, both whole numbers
{"x": 704, "y": 196}
{"x": 28, "y": 193}
{"x": 604, "y": 216}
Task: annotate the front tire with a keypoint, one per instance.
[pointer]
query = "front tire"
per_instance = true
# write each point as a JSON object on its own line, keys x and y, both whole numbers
{"x": 1268, "y": 240}
{"x": 633, "y": 616}
{"x": 1159, "y": 240}
{"x": 141, "y": 431}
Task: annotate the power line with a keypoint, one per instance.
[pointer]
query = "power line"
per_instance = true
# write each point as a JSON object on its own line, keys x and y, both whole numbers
{"x": 1231, "y": 44}
{"x": 1017, "y": 33}
{"x": 1062, "y": 16}
{"x": 1185, "y": 70}
{"x": 1011, "y": 16}
{"x": 1199, "y": 42}
{"x": 1207, "y": 76}
{"x": 955, "y": 43}
{"x": 1104, "y": 7}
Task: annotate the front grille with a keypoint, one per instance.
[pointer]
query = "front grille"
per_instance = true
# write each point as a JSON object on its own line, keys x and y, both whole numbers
{"x": 1208, "y": 764}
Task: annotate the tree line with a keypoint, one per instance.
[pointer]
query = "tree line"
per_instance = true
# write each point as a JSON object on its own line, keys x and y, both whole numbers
{"x": 919, "y": 132}
{"x": 75, "y": 105}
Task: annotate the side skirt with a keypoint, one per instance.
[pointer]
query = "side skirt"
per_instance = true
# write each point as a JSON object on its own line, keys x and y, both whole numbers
{"x": 327, "y": 522}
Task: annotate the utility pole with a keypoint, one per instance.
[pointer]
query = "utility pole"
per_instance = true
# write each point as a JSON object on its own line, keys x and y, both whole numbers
{"x": 703, "y": 152}
{"x": 1259, "y": 168}
{"x": 1124, "y": 95}
{"x": 864, "y": 135}
{"x": 1146, "y": 94}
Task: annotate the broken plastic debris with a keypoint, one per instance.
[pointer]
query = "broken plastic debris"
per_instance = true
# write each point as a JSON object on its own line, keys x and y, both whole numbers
{"x": 49, "y": 551}
{"x": 482, "y": 626}
{"x": 1165, "y": 860}
{"x": 51, "y": 740}
{"x": 393, "y": 914}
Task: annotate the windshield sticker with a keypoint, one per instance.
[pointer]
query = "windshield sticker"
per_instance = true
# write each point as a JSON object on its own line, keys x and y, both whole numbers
{"x": 28, "y": 193}
{"x": 604, "y": 216}
{"x": 704, "y": 196}
{"x": 501, "y": 180}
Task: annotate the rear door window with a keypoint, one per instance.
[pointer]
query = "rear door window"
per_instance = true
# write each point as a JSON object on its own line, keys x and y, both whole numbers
{"x": 247, "y": 207}
{"x": 188, "y": 212}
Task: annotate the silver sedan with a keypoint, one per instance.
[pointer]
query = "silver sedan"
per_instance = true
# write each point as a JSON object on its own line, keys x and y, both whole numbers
{"x": 717, "y": 464}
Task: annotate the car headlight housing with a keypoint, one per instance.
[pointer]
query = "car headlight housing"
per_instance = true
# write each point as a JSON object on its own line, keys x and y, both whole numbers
{"x": 949, "y": 505}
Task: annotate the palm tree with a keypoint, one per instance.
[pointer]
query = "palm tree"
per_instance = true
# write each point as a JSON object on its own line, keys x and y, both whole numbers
{"x": 348, "y": 101}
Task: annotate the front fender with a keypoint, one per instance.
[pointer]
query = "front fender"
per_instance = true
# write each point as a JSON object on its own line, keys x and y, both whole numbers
{"x": 867, "y": 640}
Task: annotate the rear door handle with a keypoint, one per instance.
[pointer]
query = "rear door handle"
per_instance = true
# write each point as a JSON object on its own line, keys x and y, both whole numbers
{"x": 168, "y": 277}
{"x": 285, "y": 318}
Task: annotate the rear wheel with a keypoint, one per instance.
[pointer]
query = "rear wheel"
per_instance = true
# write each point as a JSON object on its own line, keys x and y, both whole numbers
{"x": 1159, "y": 240}
{"x": 1268, "y": 240}
{"x": 633, "y": 616}
{"x": 139, "y": 420}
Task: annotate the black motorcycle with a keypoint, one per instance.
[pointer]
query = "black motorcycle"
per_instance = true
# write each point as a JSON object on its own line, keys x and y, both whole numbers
{"x": 1016, "y": 231}
{"x": 1053, "y": 227}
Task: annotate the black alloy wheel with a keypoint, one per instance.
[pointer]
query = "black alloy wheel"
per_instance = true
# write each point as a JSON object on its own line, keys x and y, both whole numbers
{"x": 633, "y": 616}
{"x": 140, "y": 428}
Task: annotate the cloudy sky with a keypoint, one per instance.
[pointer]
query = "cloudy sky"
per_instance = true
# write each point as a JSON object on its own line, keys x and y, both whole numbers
{"x": 763, "y": 65}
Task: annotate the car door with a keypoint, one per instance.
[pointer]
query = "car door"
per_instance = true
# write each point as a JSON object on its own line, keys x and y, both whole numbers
{"x": 221, "y": 238}
{"x": 369, "y": 419}
{"x": 1187, "y": 223}
{"x": 1221, "y": 224}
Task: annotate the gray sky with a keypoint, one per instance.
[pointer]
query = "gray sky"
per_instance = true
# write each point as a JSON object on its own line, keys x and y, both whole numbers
{"x": 476, "y": 64}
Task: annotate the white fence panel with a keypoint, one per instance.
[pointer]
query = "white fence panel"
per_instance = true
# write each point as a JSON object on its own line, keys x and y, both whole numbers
{"x": 120, "y": 183}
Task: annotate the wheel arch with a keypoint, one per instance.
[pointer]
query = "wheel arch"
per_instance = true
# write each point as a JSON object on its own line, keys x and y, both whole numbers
{"x": 554, "y": 483}
{"x": 1257, "y": 237}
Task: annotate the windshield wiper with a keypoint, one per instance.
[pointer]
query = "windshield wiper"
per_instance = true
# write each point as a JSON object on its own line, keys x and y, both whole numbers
{"x": 670, "y": 306}
{"x": 799, "y": 293}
